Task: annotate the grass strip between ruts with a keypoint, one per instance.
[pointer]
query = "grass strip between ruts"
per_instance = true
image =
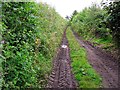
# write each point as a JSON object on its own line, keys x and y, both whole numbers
{"x": 84, "y": 73}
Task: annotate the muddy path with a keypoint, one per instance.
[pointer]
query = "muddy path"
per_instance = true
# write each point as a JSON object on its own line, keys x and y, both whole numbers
{"x": 61, "y": 76}
{"x": 103, "y": 63}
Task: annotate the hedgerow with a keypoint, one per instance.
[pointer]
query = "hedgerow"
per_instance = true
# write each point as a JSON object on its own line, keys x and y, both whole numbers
{"x": 31, "y": 36}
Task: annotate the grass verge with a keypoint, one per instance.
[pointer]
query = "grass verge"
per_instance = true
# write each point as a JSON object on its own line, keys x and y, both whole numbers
{"x": 86, "y": 76}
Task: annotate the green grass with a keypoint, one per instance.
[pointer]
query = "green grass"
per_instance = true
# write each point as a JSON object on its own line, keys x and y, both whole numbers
{"x": 106, "y": 44}
{"x": 1, "y": 79}
{"x": 86, "y": 76}
{"x": 1, "y": 70}
{"x": 1, "y": 59}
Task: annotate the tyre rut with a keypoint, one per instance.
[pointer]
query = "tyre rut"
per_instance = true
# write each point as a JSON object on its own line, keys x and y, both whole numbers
{"x": 104, "y": 64}
{"x": 61, "y": 76}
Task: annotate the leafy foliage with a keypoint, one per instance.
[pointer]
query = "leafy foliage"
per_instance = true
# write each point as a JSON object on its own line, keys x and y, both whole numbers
{"x": 1, "y": 57}
{"x": 73, "y": 15}
{"x": 100, "y": 26}
{"x": 19, "y": 43}
{"x": 91, "y": 24}
{"x": 113, "y": 21}
{"x": 30, "y": 36}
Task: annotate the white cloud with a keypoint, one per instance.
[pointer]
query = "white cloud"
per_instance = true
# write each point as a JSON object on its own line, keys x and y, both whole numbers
{"x": 66, "y": 7}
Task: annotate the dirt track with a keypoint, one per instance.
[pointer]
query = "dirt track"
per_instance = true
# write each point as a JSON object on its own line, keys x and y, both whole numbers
{"x": 103, "y": 63}
{"x": 61, "y": 76}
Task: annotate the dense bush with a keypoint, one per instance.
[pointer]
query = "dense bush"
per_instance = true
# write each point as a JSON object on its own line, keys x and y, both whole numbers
{"x": 31, "y": 35}
{"x": 89, "y": 22}
{"x": 99, "y": 25}
{"x": 19, "y": 38}
{"x": 1, "y": 57}
{"x": 113, "y": 21}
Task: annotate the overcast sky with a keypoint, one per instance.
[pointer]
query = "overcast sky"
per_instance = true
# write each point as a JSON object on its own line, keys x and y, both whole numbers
{"x": 66, "y": 7}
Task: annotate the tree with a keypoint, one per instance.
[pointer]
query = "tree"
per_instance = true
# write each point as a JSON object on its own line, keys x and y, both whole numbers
{"x": 113, "y": 21}
{"x": 74, "y": 14}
